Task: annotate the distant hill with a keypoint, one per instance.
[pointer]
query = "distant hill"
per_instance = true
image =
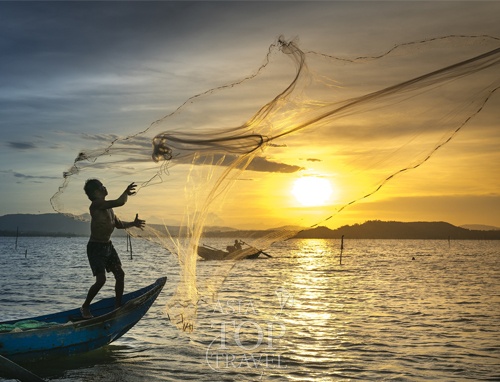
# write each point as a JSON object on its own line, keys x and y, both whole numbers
{"x": 50, "y": 224}
{"x": 399, "y": 230}
{"x": 479, "y": 227}
{"x": 60, "y": 225}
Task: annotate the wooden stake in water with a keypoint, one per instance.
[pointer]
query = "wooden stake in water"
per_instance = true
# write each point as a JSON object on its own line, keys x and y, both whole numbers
{"x": 341, "y": 248}
{"x": 17, "y": 235}
{"x": 130, "y": 243}
{"x": 26, "y": 254}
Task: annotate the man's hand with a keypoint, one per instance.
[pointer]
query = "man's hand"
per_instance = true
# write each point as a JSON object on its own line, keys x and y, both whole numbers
{"x": 138, "y": 222}
{"x": 131, "y": 189}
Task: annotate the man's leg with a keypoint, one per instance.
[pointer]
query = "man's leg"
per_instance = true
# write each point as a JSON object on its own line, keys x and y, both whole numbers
{"x": 120, "y": 283}
{"x": 100, "y": 280}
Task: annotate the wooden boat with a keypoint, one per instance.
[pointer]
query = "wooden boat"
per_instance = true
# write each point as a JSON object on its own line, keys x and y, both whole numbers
{"x": 73, "y": 334}
{"x": 217, "y": 254}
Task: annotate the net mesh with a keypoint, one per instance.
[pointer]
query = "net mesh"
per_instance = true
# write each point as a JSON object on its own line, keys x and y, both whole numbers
{"x": 229, "y": 156}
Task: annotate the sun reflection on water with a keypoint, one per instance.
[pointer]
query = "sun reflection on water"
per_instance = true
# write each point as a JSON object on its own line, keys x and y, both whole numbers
{"x": 317, "y": 311}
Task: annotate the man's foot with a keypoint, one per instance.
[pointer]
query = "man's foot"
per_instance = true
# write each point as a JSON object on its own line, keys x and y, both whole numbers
{"x": 86, "y": 313}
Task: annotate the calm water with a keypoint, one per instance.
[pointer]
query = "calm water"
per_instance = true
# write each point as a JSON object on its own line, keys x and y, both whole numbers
{"x": 379, "y": 316}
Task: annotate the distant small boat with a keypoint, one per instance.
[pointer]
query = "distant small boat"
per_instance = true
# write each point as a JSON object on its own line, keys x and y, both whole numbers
{"x": 208, "y": 253}
{"x": 74, "y": 334}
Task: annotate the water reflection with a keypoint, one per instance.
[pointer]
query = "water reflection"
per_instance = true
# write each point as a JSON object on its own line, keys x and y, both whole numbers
{"x": 315, "y": 278}
{"x": 377, "y": 316}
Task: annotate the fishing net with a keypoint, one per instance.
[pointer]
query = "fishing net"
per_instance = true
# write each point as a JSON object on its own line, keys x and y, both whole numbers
{"x": 26, "y": 325}
{"x": 229, "y": 157}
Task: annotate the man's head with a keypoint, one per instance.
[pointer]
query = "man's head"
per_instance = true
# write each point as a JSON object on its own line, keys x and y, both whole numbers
{"x": 94, "y": 189}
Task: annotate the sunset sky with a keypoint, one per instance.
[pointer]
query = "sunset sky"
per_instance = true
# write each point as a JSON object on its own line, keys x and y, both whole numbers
{"x": 78, "y": 74}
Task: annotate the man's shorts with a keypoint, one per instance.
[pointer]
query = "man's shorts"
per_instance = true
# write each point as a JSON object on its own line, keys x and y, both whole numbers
{"x": 102, "y": 257}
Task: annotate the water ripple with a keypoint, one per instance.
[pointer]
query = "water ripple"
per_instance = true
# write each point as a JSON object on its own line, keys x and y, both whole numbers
{"x": 379, "y": 316}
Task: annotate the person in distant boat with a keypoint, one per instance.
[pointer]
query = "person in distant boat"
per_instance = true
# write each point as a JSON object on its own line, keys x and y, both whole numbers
{"x": 100, "y": 251}
{"x": 237, "y": 245}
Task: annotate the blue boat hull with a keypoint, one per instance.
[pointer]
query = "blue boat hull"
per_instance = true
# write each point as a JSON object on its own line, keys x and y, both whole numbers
{"x": 75, "y": 335}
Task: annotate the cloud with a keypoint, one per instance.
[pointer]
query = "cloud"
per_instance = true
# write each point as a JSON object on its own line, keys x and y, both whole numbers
{"x": 264, "y": 165}
{"x": 33, "y": 146}
{"x": 259, "y": 164}
{"x": 32, "y": 178}
{"x": 314, "y": 160}
{"x": 107, "y": 139}
{"x": 21, "y": 145}
{"x": 98, "y": 137}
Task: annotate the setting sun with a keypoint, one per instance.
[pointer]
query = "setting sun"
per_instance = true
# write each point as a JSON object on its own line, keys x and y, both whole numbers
{"x": 312, "y": 191}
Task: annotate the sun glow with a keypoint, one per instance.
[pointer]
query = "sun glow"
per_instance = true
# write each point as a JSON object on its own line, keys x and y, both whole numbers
{"x": 312, "y": 191}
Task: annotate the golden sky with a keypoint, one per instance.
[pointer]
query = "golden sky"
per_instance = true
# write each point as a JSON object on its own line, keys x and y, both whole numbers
{"x": 81, "y": 74}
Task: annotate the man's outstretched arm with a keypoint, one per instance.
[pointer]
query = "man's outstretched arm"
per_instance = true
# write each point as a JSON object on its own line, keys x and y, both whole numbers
{"x": 136, "y": 223}
{"x": 107, "y": 204}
